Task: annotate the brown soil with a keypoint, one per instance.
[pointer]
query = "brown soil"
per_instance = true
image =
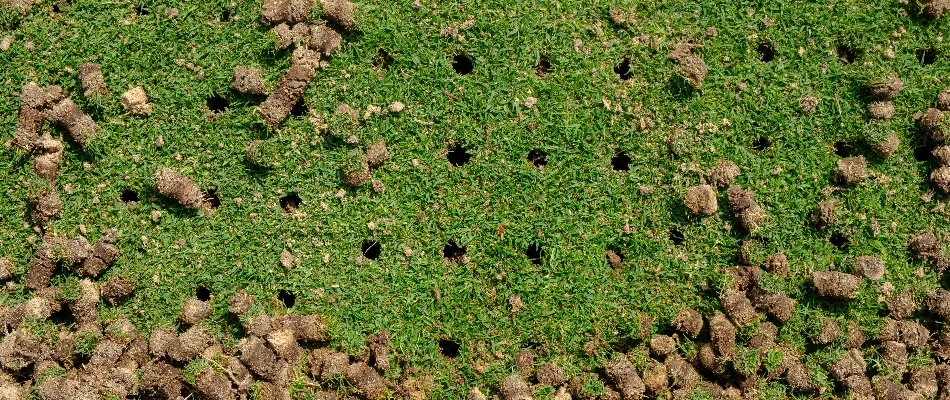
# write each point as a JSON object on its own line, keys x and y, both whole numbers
{"x": 307, "y": 328}
{"x": 869, "y": 267}
{"x": 943, "y": 100}
{"x": 7, "y": 269}
{"x": 366, "y": 381}
{"x": 240, "y": 303}
{"x": 324, "y": 39}
{"x": 614, "y": 259}
{"x": 824, "y": 217}
{"x": 888, "y": 147}
{"x": 913, "y": 334}
{"x": 902, "y": 305}
{"x": 524, "y": 362}
{"x": 743, "y": 206}
{"x": 722, "y": 334}
{"x": 744, "y": 278}
{"x": 849, "y": 365}
{"x": 894, "y": 355}
{"x": 941, "y": 154}
{"x": 379, "y": 353}
{"x": 738, "y": 307}
{"x": 93, "y": 82}
{"x": 940, "y": 178}
{"x": 624, "y": 377}
{"x": 248, "y": 80}
{"x": 213, "y": 386}
{"x": 881, "y": 109}
{"x": 856, "y": 336}
{"x": 682, "y": 374}
{"x": 777, "y": 305}
{"x": 340, "y": 12}
{"x": 377, "y": 154}
{"x": 809, "y": 104}
{"x": 797, "y": 375}
{"x": 688, "y": 322}
{"x": 550, "y": 374}
{"x": 656, "y": 379}
{"x": 923, "y": 380}
{"x": 701, "y": 200}
{"x": 274, "y": 11}
{"x": 101, "y": 256}
{"x": 662, "y": 345}
{"x": 179, "y": 188}
{"x": 193, "y": 311}
{"x": 284, "y": 36}
{"x": 117, "y": 289}
{"x": 42, "y": 267}
{"x": 282, "y": 341}
{"x": 476, "y": 394}
{"x": 290, "y": 89}
{"x": 690, "y": 66}
{"x": 932, "y": 125}
{"x": 135, "y": 102}
{"x": 836, "y": 285}
{"x": 357, "y": 176}
{"x": 852, "y": 170}
{"x": 828, "y": 333}
{"x": 45, "y": 206}
{"x": 48, "y": 157}
{"x": 934, "y": 8}
{"x": 29, "y": 121}
{"x": 776, "y": 264}
{"x": 514, "y": 388}
{"x": 723, "y": 173}
{"x": 261, "y": 360}
{"x": 886, "y": 89}
{"x": 326, "y": 364}
{"x": 926, "y": 247}
{"x": 189, "y": 345}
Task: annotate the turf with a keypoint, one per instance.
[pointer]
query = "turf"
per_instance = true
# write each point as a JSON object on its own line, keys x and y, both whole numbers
{"x": 498, "y": 203}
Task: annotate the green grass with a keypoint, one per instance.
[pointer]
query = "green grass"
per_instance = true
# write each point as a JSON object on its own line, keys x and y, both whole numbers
{"x": 499, "y": 203}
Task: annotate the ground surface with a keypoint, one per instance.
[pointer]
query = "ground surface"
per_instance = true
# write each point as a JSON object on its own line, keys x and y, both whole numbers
{"x": 498, "y": 203}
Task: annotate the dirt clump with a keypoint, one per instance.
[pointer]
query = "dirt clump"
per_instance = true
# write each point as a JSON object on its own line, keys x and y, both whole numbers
{"x": 850, "y": 171}
{"x": 722, "y": 335}
{"x": 692, "y": 68}
{"x": 35, "y": 101}
{"x": 776, "y": 264}
{"x": 261, "y": 360}
{"x": 117, "y": 289}
{"x": 796, "y": 374}
{"x": 828, "y": 333}
{"x": 881, "y": 109}
{"x": 101, "y": 256}
{"x": 135, "y": 101}
{"x": 213, "y": 385}
{"x": 682, "y": 374}
{"x": 902, "y": 306}
{"x": 940, "y": 178}
{"x": 189, "y": 344}
{"x": 290, "y": 11}
{"x": 79, "y": 125}
{"x": 723, "y": 173}
{"x": 926, "y": 247}
{"x": 248, "y": 80}
{"x": 45, "y": 205}
{"x": 809, "y": 104}
{"x": 326, "y": 364}
{"x": 93, "y": 82}
{"x": 159, "y": 340}
{"x": 377, "y": 154}
{"x": 743, "y": 205}
{"x": 240, "y": 303}
{"x": 943, "y": 100}
{"x": 324, "y": 39}
{"x": 290, "y": 89}
{"x": 849, "y": 371}
{"x": 941, "y": 154}
{"x": 656, "y": 379}
{"x": 179, "y": 188}
{"x": 738, "y": 307}
{"x": 614, "y": 259}
{"x": 688, "y": 322}
{"x": 662, "y": 345}
{"x": 7, "y": 269}
{"x": 886, "y": 89}
{"x": 624, "y": 377}
{"x": 894, "y": 355}
{"x": 779, "y": 306}
{"x": 340, "y": 12}
{"x": 886, "y": 146}
{"x": 923, "y": 380}
{"x": 366, "y": 381}
{"x": 934, "y": 8}
{"x": 913, "y": 334}
{"x": 701, "y": 200}
{"x": 934, "y": 125}
{"x": 836, "y": 285}
{"x": 824, "y": 216}
{"x": 48, "y": 158}
{"x": 193, "y": 311}
{"x": 379, "y": 353}
{"x": 355, "y": 168}
{"x": 870, "y": 267}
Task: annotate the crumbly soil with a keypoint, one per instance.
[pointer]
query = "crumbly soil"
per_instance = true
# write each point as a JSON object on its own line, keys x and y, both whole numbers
{"x": 93, "y": 82}
{"x": 614, "y": 259}
{"x": 852, "y": 170}
{"x": 179, "y": 188}
{"x": 240, "y": 303}
{"x": 135, "y": 102}
{"x": 722, "y": 334}
{"x": 743, "y": 205}
{"x": 886, "y": 89}
{"x": 692, "y": 68}
{"x": 662, "y": 345}
{"x": 723, "y": 173}
{"x": 943, "y": 100}
{"x": 701, "y": 200}
{"x": 624, "y": 378}
{"x": 45, "y": 206}
{"x": 828, "y": 333}
{"x": 248, "y": 80}
{"x": 836, "y": 285}
{"x": 932, "y": 124}
{"x": 776, "y": 264}
{"x": 881, "y": 109}
{"x": 870, "y": 267}
{"x": 79, "y": 125}
{"x": 940, "y": 178}
{"x": 886, "y": 147}
{"x": 290, "y": 89}
{"x": 926, "y": 247}
{"x": 340, "y": 12}
{"x": 824, "y": 216}
{"x": 738, "y": 307}
{"x": 194, "y": 310}
{"x": 377, "y": 154}
{"x": 117, "y": 289}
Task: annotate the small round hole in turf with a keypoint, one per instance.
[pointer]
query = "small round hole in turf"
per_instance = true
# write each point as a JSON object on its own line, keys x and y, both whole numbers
{"x": 449, "y": 348}
{"x": 202, "y": 293}
{"x": 623, "y": 69}
{"x": 543, "y": 68}
{"x": 839, "y": 240}
{"x": 129, "y": 196}
{"x": 290, "y": 202}
{"x": 453, "y": 252}
{"x": 535, "y": 253}
{"x": 458, "y": 155}
{"x": 620, "y": 162}
{"x": 538, "y": 157}
{"x": 217, "y": 103}
{"x": 843, "y": 149}
{"x": 463, "y": 64}
{"x": 286, "y": 297}
{"x": 766, "y": 52}
{"x": 371, "y": 249}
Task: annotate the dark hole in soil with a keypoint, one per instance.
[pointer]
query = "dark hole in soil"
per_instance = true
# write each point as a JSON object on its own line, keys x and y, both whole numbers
{"x": 290, "y": 202}
{"x": 449, "y": 348}
{"x": 620, "y": 162}
{"x": 458, "y": 155}
{"x": 212, "y": 199}
{"x": 535, "y": 253}
{"x": 923, "y": 153}
{"x": 847, "y": 54}
{"x": 616, "y": 250}
{"x": 839, "y": 240}
{"x": 623, "y": 69}
{"x": 63, "y": 317}
{"x": 129, "y": 195}
{"x": 382, "y": 60}
{"x": 453, "y": 252}
{"x": 202, "y": 293}
{"x": 286, "y": 297}
{"x": 676, "y": 236}
{"x": 543, "y": 68}
{"x": 371, "y": 249}
{"x": 462, "y": 64}
{"x": 141, "y": 10}
{"x": 55, "y": 8}
{"x": 538, "y": 157}
{"x": 762, "y": 143}
{"x": 926, "y": 56}
{"x": 300, "y": 109}
{"x": 766, "y": 52}
{"x": 843, "y": 149}
{"x": 216, "y": 103}
{"x": 225, "y": 16}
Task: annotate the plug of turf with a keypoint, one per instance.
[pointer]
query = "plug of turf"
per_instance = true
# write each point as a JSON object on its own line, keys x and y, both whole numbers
{"x": 290, "y": 88}
{"x": 93, "y": 83}
{"x": 48, "y": 157}
{"x": 77, "y": 124}
{"x": 135, "y": 101}
{"x": 355, "y": 168}
{"x": 743, "y": 205}
{"x": 248, "y": 80}
{"x": 851, "y": 170}
{"x": 701, "y": 200}
{"x": 178, "y": 187}
{"x": 934, "y": 9}
{"x": 45, "y": 205}
{"x": 689, "y": 66}
{"x": 263, "y": 153}
{"x": 377, "y": 154}
{"x": 934, "y": 125}
{"x": 881, "y": 138}
{"x": 340, "y": 12}
{"x": 943, "y": 100}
